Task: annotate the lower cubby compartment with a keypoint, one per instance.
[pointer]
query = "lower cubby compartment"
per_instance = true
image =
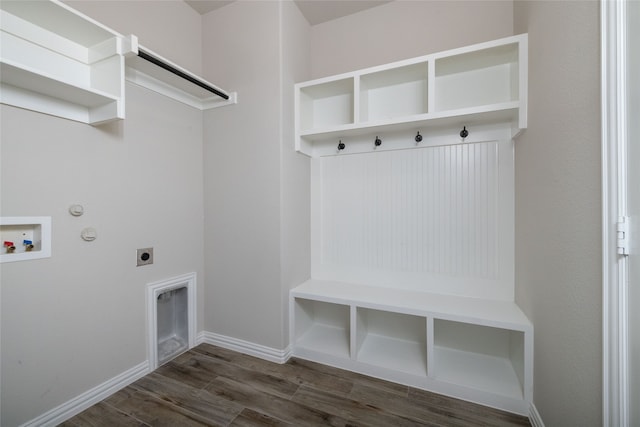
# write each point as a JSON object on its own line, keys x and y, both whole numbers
{"x": 480, "y": 357}
{"x": 392, "y": 340}
{"x": 322, "y": 327}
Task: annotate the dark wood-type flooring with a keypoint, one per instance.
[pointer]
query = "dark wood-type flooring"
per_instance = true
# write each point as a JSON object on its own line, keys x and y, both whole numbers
{"x": 212, "y": 386}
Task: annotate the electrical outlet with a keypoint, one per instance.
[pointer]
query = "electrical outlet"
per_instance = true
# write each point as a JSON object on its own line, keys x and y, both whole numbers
{"x": 144, "y": 256}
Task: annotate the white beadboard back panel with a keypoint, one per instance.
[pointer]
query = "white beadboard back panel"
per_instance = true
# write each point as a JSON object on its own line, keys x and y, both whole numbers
{"x": 438, "y": 219}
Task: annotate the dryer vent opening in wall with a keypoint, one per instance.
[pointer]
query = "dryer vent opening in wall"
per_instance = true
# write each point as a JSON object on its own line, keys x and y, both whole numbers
{"x": 171, "y": 318}
{"x": 172, "y": 324}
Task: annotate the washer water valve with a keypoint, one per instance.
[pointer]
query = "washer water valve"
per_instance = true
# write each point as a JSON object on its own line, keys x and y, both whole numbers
{"x": 10, "y": 247}
{"x": 28, "y": 245}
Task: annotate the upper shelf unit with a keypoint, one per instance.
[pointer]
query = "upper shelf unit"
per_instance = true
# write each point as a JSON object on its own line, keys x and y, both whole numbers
{"x": 57, "y": 61}
{"x": 480, "y": 84}
{"x": 60, "y": 62}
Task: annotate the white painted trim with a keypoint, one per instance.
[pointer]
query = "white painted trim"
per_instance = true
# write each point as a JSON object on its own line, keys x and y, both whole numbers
{"x": 153, "y": 291}
{"x": 614, "y": 312}
{"x": 85, "y": 400}
{"x": 534, "y": 417}
{"x": 245, "y": 347}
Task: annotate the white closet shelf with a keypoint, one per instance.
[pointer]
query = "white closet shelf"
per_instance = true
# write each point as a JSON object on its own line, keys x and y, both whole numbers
{"x": 57, "y": 61}
{"x": 157, "y": 79}
{"x": 39, "y": 91}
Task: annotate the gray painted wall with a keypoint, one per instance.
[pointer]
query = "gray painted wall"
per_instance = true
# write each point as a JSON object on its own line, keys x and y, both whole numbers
{"x": 242, "y": 174}
{"x": 405, "y": 29}
{"x": 256, "y": 188}
{"x": 558, "y": 209}
{"x": 295, "y": 216}
{"x": 78, "y": 319}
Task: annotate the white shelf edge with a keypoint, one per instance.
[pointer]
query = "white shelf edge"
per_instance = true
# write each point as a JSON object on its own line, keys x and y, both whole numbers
{"x": 72, "y": 91}
{"x": 484, "y": 312}
{"x": 433, "y": 119}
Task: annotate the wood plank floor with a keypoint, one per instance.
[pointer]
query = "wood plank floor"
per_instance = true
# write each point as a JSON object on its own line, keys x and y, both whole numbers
{"x": 212, "y": 386}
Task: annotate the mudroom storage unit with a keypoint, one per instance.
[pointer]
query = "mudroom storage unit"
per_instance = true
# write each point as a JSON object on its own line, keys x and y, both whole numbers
{"x": 412, "y": 224}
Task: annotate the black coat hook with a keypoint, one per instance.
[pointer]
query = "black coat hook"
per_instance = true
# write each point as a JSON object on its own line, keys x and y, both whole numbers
{"x": 418, "y": 138}
{"x": 377, "y": 142}
{"x": 464, "y": 132}
{"x": 341, "y": 145}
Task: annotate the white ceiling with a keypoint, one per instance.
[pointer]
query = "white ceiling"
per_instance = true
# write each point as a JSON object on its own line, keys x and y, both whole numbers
{"x": 316, "y": 11}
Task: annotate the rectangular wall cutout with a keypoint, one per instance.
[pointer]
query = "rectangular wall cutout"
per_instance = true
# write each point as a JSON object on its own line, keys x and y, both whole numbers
{"x": 25, "y": 238}
{"x": 171, "y": 307}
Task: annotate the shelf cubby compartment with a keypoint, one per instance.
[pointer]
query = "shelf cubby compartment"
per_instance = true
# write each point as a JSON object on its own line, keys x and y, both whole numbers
{"x": 391, "y": 340}
{"x": 31, "y": 238}
{"x": 60, "y": 62}
{"x": 477, "y": 78}
{"x": 326, "y": 105}
{"x": 322, "y": 327}
{"x": 394, "y": 93}
{"x": 480, "y": 357}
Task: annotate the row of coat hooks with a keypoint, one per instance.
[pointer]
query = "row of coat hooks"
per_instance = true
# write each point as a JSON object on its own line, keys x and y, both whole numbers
{"x": 418, "y": 138}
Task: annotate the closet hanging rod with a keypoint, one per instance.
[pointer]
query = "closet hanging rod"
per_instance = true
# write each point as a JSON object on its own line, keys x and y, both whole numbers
{"x": 144, "y": 55}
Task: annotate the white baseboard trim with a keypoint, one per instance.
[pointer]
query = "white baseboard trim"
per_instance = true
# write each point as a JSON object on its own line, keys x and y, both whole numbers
{"x": 534, "y": 417}
{"x": 80, "y": 403}
{"x": 246, "y": 347}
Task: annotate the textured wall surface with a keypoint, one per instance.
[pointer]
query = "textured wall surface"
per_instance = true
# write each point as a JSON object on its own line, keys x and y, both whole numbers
{"x": 256, "y": 186}
{"x": 78, "y": 319}
{"x": 558, "y": 209}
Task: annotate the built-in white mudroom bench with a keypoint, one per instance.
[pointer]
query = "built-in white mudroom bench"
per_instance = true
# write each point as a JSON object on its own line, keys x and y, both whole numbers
{"x": 412, "y": 224}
